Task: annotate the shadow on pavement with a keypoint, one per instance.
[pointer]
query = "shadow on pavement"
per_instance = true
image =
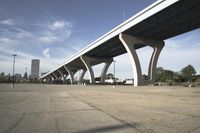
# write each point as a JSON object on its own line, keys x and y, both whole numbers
{"x": 104, "y": 129}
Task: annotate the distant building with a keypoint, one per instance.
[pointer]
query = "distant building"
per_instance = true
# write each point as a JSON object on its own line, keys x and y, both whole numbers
{"x": 35, "y": 68}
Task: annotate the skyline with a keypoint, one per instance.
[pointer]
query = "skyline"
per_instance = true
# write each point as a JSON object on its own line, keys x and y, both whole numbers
{"x": 53, "y": 35}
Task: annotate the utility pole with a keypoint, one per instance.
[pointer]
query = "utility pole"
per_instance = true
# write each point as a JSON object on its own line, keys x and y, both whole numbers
{"x": 114, "y": 81}
{"x": 14, "y": 55}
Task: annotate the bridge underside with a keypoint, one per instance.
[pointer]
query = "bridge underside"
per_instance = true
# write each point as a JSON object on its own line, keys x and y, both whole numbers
{"x": 178, "y": 18}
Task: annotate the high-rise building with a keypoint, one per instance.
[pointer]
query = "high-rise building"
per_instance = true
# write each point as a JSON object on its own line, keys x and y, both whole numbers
{"x": 35, "y": 68}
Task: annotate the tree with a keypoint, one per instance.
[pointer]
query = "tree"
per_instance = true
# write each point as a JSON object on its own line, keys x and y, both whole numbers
{"x": 109, "y": 76}
{"x": 159, "y": 71}
{"x": 177, "y": 77}
{"x": 25, "y": 75}
{"x": 2, "y": 77}
{"x": 167, "y": 75}
{"x": 188, "y": 73}
{"x": 163, "y": 75}
{"x": 2, "y": 74}
{"x": 146, "y": 77}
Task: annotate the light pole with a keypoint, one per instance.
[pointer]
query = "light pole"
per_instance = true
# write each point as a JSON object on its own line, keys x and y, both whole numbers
{"x": 14, "y": 69}
{"x": 114, "y": 72}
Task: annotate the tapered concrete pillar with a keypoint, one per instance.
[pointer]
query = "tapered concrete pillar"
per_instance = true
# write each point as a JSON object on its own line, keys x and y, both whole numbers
{"x": 87, "y": 63}
{"x": 49, "y": 79}
{"x": 105, "y": 69}
{"x": 61, "y": 74}
{"x": 80, "y": 81}
{"x": 153, "y": 61}
{"x": 129, "y": 43}
{"x": 56, "y": 77}
{"x": 68, "y": 69}
{"x": 52, "y": 78}
{"x": 44, "y": 79}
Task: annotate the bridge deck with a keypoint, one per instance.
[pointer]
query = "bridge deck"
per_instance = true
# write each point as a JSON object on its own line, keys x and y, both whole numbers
{"x": 162, "y": 20}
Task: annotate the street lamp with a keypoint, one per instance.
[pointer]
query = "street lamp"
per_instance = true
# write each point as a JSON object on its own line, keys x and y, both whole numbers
{"x": 13, "y": 69}
{"x": 114, "y": 72}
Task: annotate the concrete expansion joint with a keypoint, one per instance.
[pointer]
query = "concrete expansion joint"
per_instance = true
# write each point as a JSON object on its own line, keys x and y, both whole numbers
{"x": 15, "y": 124}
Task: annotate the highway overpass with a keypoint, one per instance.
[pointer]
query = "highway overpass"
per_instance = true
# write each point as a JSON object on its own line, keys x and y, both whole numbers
{"x": 150, "y": 27}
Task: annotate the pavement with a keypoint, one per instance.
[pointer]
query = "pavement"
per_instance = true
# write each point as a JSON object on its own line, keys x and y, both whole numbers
{"x": 39, "y": 108}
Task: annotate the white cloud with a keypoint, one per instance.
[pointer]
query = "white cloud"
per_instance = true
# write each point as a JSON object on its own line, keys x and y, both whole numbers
{"x": 48, "y": 39}
{"x": 46, "y": 53}
{"x": 24, "y": 60}
{"x": 60, "y": 24}
{"x": 8, "y": 42}
{"x": 27, "y": 44}
{"x": 7, "y": 22}
{"x": 5, "y": 40}
{"x": 23, "y": 34}
{"x": 56, "y": 32}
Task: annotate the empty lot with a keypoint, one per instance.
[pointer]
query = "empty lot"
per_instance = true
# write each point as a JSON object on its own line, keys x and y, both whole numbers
{"x": 38, "y": 108}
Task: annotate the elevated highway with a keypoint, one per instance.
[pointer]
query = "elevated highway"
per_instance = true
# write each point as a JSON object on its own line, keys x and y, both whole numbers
{"x": 150, "y": 27}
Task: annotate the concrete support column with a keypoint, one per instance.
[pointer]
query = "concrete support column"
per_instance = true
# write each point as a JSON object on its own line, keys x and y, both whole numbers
{"x": 65, "y": 77}
{"x": 129, "y": 43}
{"x": 51, "y": 77}
{"x": 105, "y": 69}
{"x": 43, "y": 79}
{"x": 80, "y": 81}
{"x": 61, "y": 74}
{"x": 153, "y": 61}
{"x": 56, "y": 77}
{"x": 87, "y": 62}
{"x": 68, "y": 69}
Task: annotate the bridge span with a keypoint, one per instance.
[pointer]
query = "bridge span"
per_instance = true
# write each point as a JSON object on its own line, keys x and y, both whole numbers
{"x": 150, "y": 27}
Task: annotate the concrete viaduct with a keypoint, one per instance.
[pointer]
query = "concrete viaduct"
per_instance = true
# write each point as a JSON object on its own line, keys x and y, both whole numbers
{"x": 150, "y": 27}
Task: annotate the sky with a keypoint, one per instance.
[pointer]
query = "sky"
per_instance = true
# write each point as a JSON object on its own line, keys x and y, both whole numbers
{"x": 54, "y": 30}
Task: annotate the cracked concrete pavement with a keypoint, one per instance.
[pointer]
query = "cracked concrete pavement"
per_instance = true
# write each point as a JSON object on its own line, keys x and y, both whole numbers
{"x": 37, "y": 108}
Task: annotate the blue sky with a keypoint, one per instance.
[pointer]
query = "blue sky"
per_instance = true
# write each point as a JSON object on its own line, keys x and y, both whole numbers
{"x": 54, "y": 30}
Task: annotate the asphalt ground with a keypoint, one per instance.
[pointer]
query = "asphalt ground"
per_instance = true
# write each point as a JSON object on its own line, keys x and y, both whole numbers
{"x": 38, "y": 108}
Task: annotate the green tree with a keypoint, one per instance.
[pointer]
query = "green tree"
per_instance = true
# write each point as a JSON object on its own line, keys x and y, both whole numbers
{"x": 167, "y": 75}
{"x": 188, "y": 73}
{"x": 163, "y": 75}
{"x": 159, "y": 72}
{"x": 146, "y": 77}
{"x": 2, "y": 74}
{"x": 109, "y": 76}
{"x": 25, "y": 75}
{"x": 177, "y": 77}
